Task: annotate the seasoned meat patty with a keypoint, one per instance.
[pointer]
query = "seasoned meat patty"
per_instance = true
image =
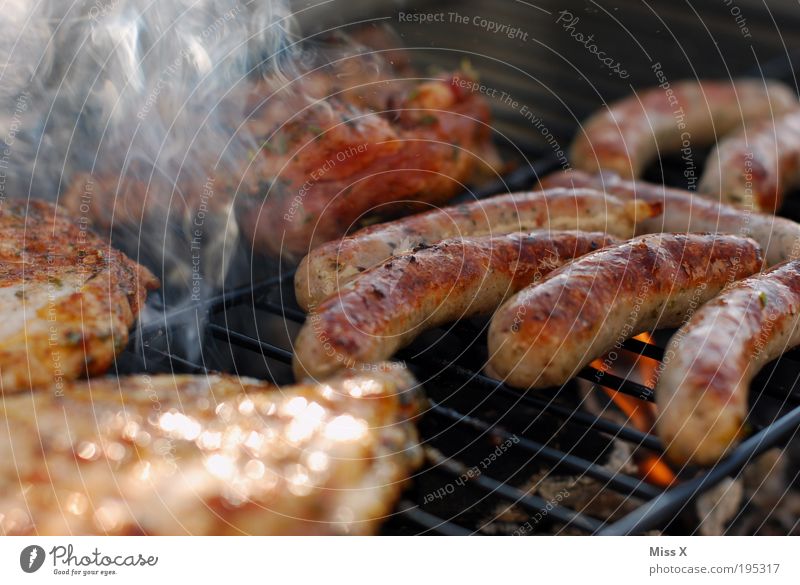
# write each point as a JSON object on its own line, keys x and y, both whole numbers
{"x": 207, "y": 455}
{"x": 67, "y": 299}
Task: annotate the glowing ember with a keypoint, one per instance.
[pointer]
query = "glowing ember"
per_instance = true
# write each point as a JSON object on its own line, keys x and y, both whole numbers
{"x": 642, "y": 416}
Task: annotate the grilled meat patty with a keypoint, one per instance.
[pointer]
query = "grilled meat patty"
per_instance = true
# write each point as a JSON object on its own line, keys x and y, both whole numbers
{"x": 702, "y": 391}
{"x": 67, "y": 299}
{"x": 685, "y": 212}
{"x": 332, "y": 265}
{"x": 204, "y": 455}
{"x": 549, "y": 331}
{"x": 627, "y": 135}
{"x": 390, "y": 305}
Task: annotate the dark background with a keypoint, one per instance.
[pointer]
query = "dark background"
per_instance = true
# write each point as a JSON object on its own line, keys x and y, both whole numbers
{"x": 557, "y": 77}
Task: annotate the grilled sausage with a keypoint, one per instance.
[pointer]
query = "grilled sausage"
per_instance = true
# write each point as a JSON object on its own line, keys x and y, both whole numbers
{"x": 709, "y": 363}
{"x": 684, "y": 212}
{"x": 547, "y": 332}
{"x": 629, "y": 134}
{"x": 390, "y": 305}
{"x": 330, "y": 266}
{"x": 756, "y": 166}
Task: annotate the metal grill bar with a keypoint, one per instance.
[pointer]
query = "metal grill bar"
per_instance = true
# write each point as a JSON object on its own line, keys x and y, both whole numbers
{"x": 621, "y": 483}
{"x": 430, "y": 522}
{"x": 518, "y": 497}
{"x": 660, "y": 505}
{"x": 674, "y": 500}
{"x": 578, "y": 416}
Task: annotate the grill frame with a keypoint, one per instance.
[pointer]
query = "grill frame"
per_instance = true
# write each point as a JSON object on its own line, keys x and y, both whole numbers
{"x": 780, "y": 380}
{"x": 151, "y": 345}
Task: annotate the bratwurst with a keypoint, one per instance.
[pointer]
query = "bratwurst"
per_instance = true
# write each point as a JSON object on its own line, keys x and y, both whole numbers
{"x": 549, "y": 331}
{"x": 755, "y": 167}
{"x": 390, "y": 305}
{"x": 684, "y": 212}
{"x": 332, "y": 265}
{"x": 709, "y": 363}
{"x": 630, "y": 133}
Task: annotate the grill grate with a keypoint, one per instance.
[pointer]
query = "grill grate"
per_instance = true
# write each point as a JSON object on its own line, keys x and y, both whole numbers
{"x": 469, "y": 411}
{"x": 248, "y": 330}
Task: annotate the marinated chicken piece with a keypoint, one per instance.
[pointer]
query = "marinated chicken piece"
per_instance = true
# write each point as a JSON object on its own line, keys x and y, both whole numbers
{"x": 318, "y": 167}
{"x": 208, "y": 455}
{"x": 67, "y": 299}
{"x": 333, "y": 163}
{"x": 546, "y": 333}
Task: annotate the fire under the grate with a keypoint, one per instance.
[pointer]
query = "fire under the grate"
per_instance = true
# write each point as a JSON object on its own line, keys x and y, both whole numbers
{"x": 501, "y": 461}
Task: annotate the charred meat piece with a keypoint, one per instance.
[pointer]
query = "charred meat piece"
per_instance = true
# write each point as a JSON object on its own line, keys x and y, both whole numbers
{"x": 67, "y": 299}
{"x": 206, "y": 455}
{"x": 333, "y": 163}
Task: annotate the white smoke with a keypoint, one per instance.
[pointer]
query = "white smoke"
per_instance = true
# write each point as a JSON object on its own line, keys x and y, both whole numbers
{"x": 103, "y": 98}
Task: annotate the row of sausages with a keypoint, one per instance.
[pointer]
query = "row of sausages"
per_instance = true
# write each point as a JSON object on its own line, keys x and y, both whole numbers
{"x": 589, "y": 259}
{"x": 753, "y": 123}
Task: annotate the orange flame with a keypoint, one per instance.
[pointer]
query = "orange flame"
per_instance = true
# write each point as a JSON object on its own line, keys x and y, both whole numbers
{"x": 642, "y": 416}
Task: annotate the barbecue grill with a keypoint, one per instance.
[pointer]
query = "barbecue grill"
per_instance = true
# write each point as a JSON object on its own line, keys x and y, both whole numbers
{"x": 248, "y": 327}
{"x": 246, "y": 330}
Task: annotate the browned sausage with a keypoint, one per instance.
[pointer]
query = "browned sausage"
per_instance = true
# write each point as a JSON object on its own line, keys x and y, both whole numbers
{"x": 756, "y": 166}
{"x": 547, "y": 332}
{"x": 684, "y": 212}
{"x": 392, "y": 304}
{"x": 332, "y": 265}
{"x": 630, "y": 133}
{"x": 709, "y": 363}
